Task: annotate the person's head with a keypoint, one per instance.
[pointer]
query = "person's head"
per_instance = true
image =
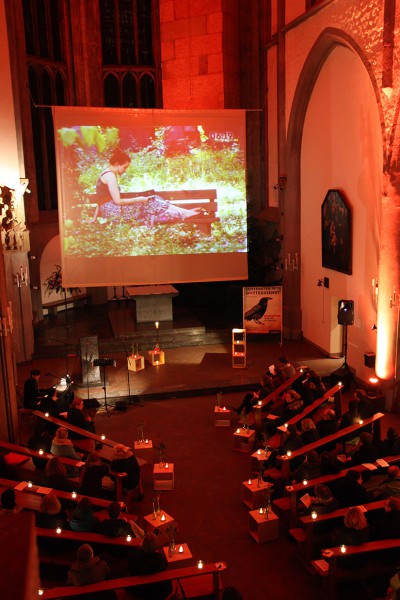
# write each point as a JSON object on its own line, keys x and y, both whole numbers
{"x": 149, "y": 543}
{"x": 392, "y": 434}
{"x": 392, "y": 504}
{"x": 292, "y": 430}
{"x": 121, "y": 451}
{"x": 35, "y": 373}
{"x": 55, "y": 467}
{"x": 231, "y": 593}
{"x": 93, "y": 459}
{"x": 360, "y": 395}
{"x": 77, "y": 403}
{"x": 328, "y": 415}
{"x": 114, "y": 510}
{"x": 62, "y": 433}
{"x": 84, "y": 505}
{"x": 323, "y": 494}
{"x": 291, "y": 396}
{"x": 393, "y": 472}
{"x": 50, "y": 504}
{"x": 354, "y": 518}
{"x": 307, "y": 425}
{"x": 8, "y": 499}
{"x": 312, "y": 457}
{"x": 365, "y": 438}
{"x": 283, "y": 360}
{"x": 84, "y": 553}
{"x": 120, "y": 161}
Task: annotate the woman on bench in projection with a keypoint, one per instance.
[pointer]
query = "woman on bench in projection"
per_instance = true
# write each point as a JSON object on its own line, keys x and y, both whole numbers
{"x": 148, "y": 209}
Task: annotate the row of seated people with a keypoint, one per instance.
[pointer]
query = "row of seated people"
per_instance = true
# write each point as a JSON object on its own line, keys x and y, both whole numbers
{"x": 141, "y": 559}
{"x": 92, "y": 478}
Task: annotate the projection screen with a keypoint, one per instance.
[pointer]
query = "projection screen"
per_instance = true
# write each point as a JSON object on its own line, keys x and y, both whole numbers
{"x": 174, "y": 212}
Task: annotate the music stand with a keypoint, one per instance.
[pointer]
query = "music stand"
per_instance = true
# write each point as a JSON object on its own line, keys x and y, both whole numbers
{"x": 103, "y": 363}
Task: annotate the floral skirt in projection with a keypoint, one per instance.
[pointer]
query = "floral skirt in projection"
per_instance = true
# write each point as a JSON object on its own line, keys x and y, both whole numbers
{"x": 152, "y": 211}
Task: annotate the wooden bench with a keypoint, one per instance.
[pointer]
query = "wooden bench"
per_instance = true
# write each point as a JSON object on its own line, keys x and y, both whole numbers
{"x": 273, "y": 397}
{"x": 305, "y": 535}
{"x": 332, "y": 574}
{"x": 74, "y": 300}
{"x": 206, "y": 199}
{"x": 293, "y": 491}
{"x": 201, "y": 582}
{"x": 334, "y": 437}
{"x": 276, "y": 440}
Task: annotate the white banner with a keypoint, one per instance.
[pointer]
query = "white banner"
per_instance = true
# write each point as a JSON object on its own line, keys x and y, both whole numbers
{"x": 262, "y": 309}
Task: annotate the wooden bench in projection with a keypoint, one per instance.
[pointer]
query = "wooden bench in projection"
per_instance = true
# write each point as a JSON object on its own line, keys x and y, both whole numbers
{"x": 273, "y": 397}
{"x": 334, "y": 437}
{"x": 332, "y": 574}
{"x": 74, "y": 300}
{"x": 306, "y": 535}
{"x": 197, "y": 583}
{"x": 206, "y": 199}
{"x": 336, "y": 392}
{"x": 307, "y": 486}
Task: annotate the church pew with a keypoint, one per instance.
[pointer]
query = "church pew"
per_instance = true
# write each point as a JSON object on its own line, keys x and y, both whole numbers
{"x": 201, "y": 582}
{"x": 332, "y": 574}
{"x": 298, "y": 489}
{"x": 276, "y": 440}
{"x": 335, "y": 437}
{"x": 273, "y": 397}
{"x": 305, "y": 534}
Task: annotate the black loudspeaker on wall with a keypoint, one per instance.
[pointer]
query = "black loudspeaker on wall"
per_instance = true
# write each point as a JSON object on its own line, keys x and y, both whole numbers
{"x": 345, "y": 314}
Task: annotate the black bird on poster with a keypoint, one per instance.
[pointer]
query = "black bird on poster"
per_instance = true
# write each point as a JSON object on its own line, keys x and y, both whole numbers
{"x": 258, "y": 311}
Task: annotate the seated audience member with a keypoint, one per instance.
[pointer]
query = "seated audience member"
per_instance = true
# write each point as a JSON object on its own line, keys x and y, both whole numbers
{"x": 87, "y": 568}
{"x": 230, "y": 593}
{"x": 386, "y": 525}
{"x": 75, "y": 416}
{"x": 124, "y": 461}
{"x": 366, "y": 451}
{"x": 41, "y": 440}
{"x": 56, "y": 476}
{"x": 83, "y": 518}
{"x": 91, "y": 477}
{"x": 323, "y": 501}
{"x": 311, "y": 387}
{"x": 8, "y": 503}
{"x": 293, "y": 405}
{"x": 147, "y": 560}
{"x": 50, "y": 513}
{"x": 286, "y": 368}
{"x": 350, "y": 417}
{"x": 62, "y": 446}
{"x": 365, "y": 406}
{"x": 350, "y": 490}
{"x": 116, "y": 526}
{"x": 390, "y": 486}
{"x": 32, "y": 393}
{"x": 310, "y": 469}
{"x": 48, "y": 404}
{"x": 390, "y": 446}
{"x": 275, "y": 375}
{"x": 308, "y": 431}
{"x": 355, "y": 531}
{"x": 327, "y": 425}
{"x": 248, "y": 403}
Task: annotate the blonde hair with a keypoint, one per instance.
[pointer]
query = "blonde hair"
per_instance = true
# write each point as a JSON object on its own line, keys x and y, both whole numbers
{"x": 50, "y": 505}
{"x": 121, "y": 451}
{"x": 62, "y": 433}
{"x": 55, "y": 467}
{"x": 354, "y": 518}
{"x": 307, "y": 425}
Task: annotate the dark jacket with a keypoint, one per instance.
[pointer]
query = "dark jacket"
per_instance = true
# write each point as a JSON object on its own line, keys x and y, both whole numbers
{"x": 84, "y": 521}
{"x": 115, "y": 528}
{"x": 91, "y": 482}
{"x": 131, "y": 467}
{"x": 92, "y": 571}
{"x": 146, "y": 563}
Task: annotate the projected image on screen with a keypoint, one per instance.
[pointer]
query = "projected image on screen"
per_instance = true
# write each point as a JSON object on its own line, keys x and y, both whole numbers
{"x": 164, "y": 186}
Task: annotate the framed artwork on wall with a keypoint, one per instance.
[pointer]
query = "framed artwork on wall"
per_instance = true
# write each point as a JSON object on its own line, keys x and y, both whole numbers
{"x": 336, "y": 232}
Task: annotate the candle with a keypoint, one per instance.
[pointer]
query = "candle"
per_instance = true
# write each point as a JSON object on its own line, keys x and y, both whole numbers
{"x": 288, "y": 453}
{"x": 181, "y": 549}
{"x": 146, "y": 441}
{"x": 224, "y": 408}
{"x": 29, "y": 484}
{"x": 73, "y": 494}
{"x": 286, "y": 425}
{"x": 259, "y": 403}
{"x": 200, "y": 564}
{"x": 249, "y": 481}
{"x": 156, "y": 324}
{"x": 58, "y": 530}
{"x": 343, "y": 548}
{"x": 128, "y": 538}
{"x": 261, "y": 510}
{"x": 40, "y": 451}
{"x": 305, "y": 481}
{"x": 103, "y": 437}
{"x": 313, "y": 514}
{"x": 238, "y": 430}
{"x": 162, "y": 517}
{"x": 46, "y": 414}
{"x": 361, "y": 421}
{"x": 166, "y": 465}
{"x": 259, "y": 451}
{"x": 40, "y": 592}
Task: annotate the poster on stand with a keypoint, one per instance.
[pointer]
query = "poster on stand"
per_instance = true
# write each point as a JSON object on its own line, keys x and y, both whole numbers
{"x": 262, "y": 309}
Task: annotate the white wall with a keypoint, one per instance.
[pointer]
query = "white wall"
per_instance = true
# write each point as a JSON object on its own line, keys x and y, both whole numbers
{"x": 341, "y": 149}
